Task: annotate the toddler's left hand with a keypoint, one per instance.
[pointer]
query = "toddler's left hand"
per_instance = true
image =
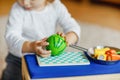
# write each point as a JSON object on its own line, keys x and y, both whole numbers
{"x": 64, "y": 36}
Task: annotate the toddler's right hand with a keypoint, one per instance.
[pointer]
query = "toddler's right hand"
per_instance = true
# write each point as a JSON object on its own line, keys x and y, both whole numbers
{"x": 39, "y": 48}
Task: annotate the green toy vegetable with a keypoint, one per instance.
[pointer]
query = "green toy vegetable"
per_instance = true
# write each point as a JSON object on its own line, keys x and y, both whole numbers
{"x": 57, "y": 44}
{"x": 118, "y": 52}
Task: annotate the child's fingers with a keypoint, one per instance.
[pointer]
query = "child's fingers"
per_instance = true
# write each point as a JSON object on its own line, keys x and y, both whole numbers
{"x": 38, "y": 43}
{"x": 66, "y": 40}
{"x": 58, "y": 33}
{"x": 44, "y": 56}
{"x": 44, "y": 39}
{"x": 67, "y": 43}
{"x": 43, "y": 53}
{"x": 46, "y": 53}
{"x": 40, "y": 50}
{"x": 43, "y": 44}
{"x": 61, "y": 34}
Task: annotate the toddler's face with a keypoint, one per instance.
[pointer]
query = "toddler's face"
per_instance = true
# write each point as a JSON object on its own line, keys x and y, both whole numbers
{"x": 31, "y": 4}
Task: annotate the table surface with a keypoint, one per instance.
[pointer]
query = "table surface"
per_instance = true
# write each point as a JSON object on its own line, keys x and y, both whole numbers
{"x": 25, "y": 75}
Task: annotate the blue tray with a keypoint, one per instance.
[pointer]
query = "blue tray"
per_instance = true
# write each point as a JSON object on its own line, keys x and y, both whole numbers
{"x": 36, "y": 71}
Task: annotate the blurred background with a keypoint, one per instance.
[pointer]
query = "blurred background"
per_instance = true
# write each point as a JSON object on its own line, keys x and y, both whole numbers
{"x": 99, "y": 21}
{"x": 103, "y": 12}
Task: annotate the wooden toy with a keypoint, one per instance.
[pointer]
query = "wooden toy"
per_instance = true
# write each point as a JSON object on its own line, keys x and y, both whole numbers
{"x": 115, "y": 57}
{"x": 57, "y": 44}
{"x": 106, "y": 55}
{"x": 100, "y": 51}
{"x": 112, "y": 55}
{"x": 118, "y": 52}
{"x": 101, "y": 57}
{"x": 64, "y": 59}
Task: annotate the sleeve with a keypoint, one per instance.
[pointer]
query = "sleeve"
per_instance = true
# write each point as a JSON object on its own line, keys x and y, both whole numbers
{"x": 65, "y": 20}
{"x": 13, "y": 33}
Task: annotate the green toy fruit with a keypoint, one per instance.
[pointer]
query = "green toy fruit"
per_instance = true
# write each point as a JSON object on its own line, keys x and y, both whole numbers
{"x": 57, "y": 44}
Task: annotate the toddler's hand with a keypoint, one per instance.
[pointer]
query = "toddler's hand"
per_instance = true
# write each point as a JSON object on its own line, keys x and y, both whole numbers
{"x": 39, "y": 48}
{"x": 64, "y": 36}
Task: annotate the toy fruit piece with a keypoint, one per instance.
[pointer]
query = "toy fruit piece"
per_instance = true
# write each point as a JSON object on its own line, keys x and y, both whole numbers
{"x": 112, "y": 51}
{"x": 57, "y": 44}
{"x": 100, "y": 51}
{"x": 111, "y": 55}
{"x": 101, "y": 57}
{"x": 118, "y": 52}
{"x": 99, "y": 47}
{"x": 115, "y": 57}
{"x": 91, "y": 51}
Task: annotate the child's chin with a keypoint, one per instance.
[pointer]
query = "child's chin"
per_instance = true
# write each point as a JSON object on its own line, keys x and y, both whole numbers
{"x": 28, "y": 8}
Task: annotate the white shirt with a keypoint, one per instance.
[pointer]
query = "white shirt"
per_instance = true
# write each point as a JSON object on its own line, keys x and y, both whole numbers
{"x": 24, "y": 25}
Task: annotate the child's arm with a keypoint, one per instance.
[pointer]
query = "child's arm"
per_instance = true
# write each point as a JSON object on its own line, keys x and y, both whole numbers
{"x": 14, "y": 30}
{"x": 70, "y": 26}
{"x": 13, "y": 34}
{"x": 70, "y": 37}
{"x": 36, "y": 47}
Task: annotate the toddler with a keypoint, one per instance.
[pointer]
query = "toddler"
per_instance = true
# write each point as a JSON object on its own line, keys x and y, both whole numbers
{"x": 30, "y": 23}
